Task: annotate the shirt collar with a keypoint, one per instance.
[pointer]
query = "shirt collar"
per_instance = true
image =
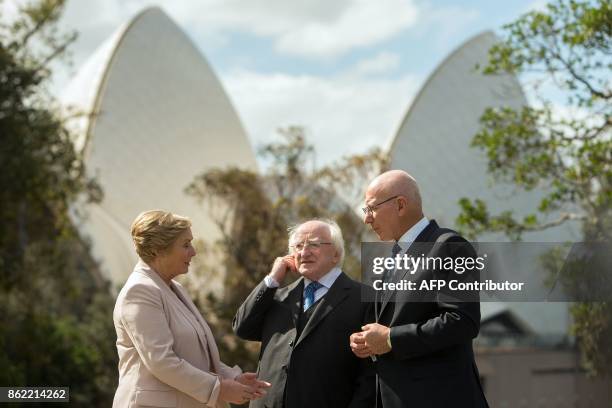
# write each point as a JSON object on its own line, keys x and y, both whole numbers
{"x": 328, "y": 279}
{"x": 411, "y": 235}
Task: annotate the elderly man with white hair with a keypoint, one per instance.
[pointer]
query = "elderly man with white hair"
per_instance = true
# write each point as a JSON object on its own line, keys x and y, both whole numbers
{"x": 305, "y": 326}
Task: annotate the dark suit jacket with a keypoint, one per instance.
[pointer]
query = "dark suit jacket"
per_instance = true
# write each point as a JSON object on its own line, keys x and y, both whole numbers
{"x": 317, "y": 369}
{"x": 431, "y": 363}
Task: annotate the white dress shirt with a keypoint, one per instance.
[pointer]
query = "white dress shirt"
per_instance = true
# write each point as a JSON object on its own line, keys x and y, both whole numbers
{"x": 411, "y": 235}
{"x": 326, "y": 282}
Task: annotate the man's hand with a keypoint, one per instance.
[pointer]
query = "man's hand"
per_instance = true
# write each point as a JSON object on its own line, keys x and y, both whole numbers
{"x": 358, "y": 345}
{"x": 375, "y": 338}
{"x": 281, "y": 266}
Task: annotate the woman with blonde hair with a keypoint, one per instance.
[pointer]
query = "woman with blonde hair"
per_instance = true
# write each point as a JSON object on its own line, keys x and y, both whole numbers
{"x": 167, "y": 353}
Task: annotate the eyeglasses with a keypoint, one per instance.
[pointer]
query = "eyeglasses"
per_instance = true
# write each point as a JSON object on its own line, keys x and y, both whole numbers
{"x": 370, "y": 209}
{"x": 314, "y": 245}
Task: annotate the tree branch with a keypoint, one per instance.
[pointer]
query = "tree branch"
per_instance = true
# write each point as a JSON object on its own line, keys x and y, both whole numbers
{"x": 56, "y": 52}
{"x": 579, "y": 78}
{"x": 562, "y": 218}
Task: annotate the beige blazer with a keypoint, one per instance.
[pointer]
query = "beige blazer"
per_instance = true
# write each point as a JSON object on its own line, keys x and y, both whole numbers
{"x": 167, "y": 353}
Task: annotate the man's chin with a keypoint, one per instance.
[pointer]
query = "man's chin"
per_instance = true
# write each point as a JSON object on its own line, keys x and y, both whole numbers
{"x": 307, "y": 273}
{"x": 380, "y": 236}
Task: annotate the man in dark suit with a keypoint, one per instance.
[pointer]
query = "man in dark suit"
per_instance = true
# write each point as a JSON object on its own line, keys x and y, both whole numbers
{"x": 422, "y": 349}
{"x": 304, "y": 327}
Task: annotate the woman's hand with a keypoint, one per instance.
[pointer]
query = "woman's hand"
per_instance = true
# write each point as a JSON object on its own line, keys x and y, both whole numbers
{"x": 246, "y": 387}
{"x": 250, "y": 379}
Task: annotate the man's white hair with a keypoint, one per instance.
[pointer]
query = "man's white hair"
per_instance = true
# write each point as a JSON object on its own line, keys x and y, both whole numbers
{"x": 334, "y": 231}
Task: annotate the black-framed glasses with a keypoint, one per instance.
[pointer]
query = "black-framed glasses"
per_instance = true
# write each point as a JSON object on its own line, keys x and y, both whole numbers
{"x": 370, "y": 209}
{"x": 314, "y": 245}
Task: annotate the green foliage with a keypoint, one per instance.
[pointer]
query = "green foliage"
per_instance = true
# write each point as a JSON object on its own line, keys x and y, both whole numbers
{"x": 593, "y": 328}
{"x": 55, "y": 327}
{"x": 566, "y": 154}
{"x": 569, "y": 43}
{"x": 253, "y": 212}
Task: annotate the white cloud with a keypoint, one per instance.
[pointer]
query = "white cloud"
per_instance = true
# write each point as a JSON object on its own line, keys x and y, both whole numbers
{"x": 342, "y": 115}
{"x": 446, "y": 25}
{"x": 383, "y": 62}
{"x": 308, "y": 28}
{"x": 537, "y": 5}
{"x": 260, "y": 17}
{"x": 364, "y": 23}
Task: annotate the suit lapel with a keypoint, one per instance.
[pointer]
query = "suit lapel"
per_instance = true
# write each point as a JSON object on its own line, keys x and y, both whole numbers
{"x": 423, "y": 237}
{"x": 291, "y": 298}
{"x": 205, "y": 335}
{"x": 190, "y": 312}
{"x": 334, "y": 296}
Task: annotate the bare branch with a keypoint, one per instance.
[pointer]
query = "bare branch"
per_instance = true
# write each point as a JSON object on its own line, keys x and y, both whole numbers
{"x": 56, "y": 52}
{"x": 564, "y": 217}
{"x": 34, "y": 30}
{"x": 579, "y": 78}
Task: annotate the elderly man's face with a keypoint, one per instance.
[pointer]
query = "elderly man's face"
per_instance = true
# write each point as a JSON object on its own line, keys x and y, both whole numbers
{"x": 314, "y": 252}
{"x": 382, "y": 217}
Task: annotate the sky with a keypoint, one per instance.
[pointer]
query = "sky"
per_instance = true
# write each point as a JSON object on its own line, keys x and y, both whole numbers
{"x": 345, "y": 70}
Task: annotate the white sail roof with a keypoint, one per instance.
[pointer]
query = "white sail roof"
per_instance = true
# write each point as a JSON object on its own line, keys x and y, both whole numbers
{"x": 159, "y": 117}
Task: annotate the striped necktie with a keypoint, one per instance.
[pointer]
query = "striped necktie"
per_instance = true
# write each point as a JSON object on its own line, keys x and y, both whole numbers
{"x": 309, "y": 294}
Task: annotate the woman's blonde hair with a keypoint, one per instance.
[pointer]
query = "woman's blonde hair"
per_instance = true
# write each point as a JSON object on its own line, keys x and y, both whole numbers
{"x": 154, "y": 231}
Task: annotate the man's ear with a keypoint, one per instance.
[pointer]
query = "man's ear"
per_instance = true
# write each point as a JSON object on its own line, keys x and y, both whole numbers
{"x": 402, "y": 205}
{"x": 336, "y": 256}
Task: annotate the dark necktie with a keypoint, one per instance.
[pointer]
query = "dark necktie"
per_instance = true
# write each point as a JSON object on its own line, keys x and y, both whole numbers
{"x": 389, "y": 273}
{"x": 309, "y": 294}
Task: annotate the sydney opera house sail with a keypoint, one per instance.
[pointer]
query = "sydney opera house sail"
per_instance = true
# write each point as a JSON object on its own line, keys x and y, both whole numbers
{"x": 433, "y": 140}
{"x": 159, "y": 117}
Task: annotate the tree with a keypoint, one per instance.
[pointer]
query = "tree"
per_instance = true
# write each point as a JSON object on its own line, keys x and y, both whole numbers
{"x": 561, "y": 146}
{"x": 55, "y": 327}
{"x": 253, "y": 212}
